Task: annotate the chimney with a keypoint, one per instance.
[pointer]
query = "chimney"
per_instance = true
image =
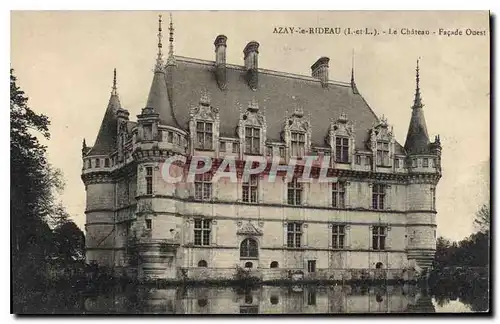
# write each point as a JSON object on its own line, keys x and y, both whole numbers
{"x": 220, "y": 60}
{"x": 319, "y": 70}
{"x": 251, "y": 52}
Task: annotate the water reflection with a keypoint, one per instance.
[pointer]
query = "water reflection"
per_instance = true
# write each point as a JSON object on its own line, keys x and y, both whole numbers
{"x": 266, "y": 300}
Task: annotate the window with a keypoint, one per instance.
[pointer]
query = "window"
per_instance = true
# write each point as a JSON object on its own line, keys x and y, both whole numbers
{"x": 202, "y": 302}
{"x": 342, "y": 149}
{"x": 269, "y": 150}
{"x": 202, "y": 229}
{"x": 274, "y": 300}
{"x": 379, "y": 265}
{"x": 338, "y": 194}
{"x": 338, "y": 236}
{"x": 294, "y": 192}
{"x": 298, "y": 144}
{"x": 294, "y": 234}
{"x": 311, "y": 297}
{"x": 414, "y": 163}
{"x": 252, "y": 140}
{"x": 383, "y": 153}
{"x": 425, "y": 163}
{"x": 358, "y": 159}
{"x": 148, "y": 132}
{"x": 274, "y": 264}
{"x": 236, "y": 147}
{"x": 250, "y": 189}
{"x": 249, "y": 265}
{"x": 378, "y": 236}
{"x": 106, "y": 162}
{"x": 249, "y": 248}
{"x": 282, "y": 152}
{"x": 222, "y": 146}
{"x": 170, "y": 137}
{"x": 378, "y": 196}
{"x": 202, "y": 264}
{"x": 368, "y": 160}
{"x": 149, "y": 180}
{"x": 433, "y": 198}
{"x": 97, "y": 163}
{"x": 204, "y": 135}
{"x": 396, "y": 163}
{"x": 311, "y": 265}
{"x": 203, "y": 186}
{"x": 149, "y": 224}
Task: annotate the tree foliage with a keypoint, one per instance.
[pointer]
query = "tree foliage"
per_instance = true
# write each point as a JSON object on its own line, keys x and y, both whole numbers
{"x": 482, "y": 220}
{"x": 34, "y": 209}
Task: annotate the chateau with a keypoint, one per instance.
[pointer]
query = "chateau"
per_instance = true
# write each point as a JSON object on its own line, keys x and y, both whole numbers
{"x": 377, "y": 218}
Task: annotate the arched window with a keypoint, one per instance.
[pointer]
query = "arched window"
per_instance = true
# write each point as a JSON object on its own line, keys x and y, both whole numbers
{"x": 249, "y": 265}
{"x": 379, "y": 298}
{"x": 379, "y": 265}
{"x": 202, "y": 264}
{"x": 249, "y": 248}
{"x": 274, "y": 264}
{"x": 274, "y": 299}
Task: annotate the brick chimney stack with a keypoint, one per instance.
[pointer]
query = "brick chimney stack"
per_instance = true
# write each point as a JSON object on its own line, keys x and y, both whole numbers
{"x": 220, "y": 60}
{"x": 319, "y": 70}
{"x": 251, "y": 57}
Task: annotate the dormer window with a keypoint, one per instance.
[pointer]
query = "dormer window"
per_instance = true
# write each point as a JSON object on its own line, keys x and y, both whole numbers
{"x": 148, "y": 132}
{"x": 298, "y": 144}
{"x": 204, "y": 135}
{"x": 342, "y": 150}
{"x": 252, "y": 140}
{"x": 383, "y": 154}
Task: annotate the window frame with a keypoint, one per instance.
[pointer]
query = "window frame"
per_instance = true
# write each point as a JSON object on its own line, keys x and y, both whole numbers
{"x": 149, "y": 180}
{"x": 250, "y": 190}
{"x": 222, "y": 146}
{"x": 379, "y": 193}
{"x": 249, "y": 249}
{"x": 204, "y": 135}
{"x": 338, "y": 236}
{"x": 297, "y": 144}
{"x": 311, "y": 266}
{"x": 203, "y": 185}
{"x": 202, "y": 232}
{"x": 294, "y": 235}
{"x": 252, "y": 139}
{"x": 338, "y": 194}
{"x": 383, "y": 153}
{"x": 341, "y": 149}
{"x": 379, "y": 236}
{"x": 294, "y": 192}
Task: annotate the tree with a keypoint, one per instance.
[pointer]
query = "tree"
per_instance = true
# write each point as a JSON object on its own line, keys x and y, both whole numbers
{"x": 32, "y": 188}
{"x": 70, "y": 242}
{"x": 482, "y": 220}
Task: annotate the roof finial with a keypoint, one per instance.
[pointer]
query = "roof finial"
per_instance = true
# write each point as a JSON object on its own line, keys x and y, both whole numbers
{"x": 159, "y": 58}
{"x": 353, "y": 83}
{"x": 417, "y": 103}
{"x": 113, "y": 90}
{"x": 171, "y": 58}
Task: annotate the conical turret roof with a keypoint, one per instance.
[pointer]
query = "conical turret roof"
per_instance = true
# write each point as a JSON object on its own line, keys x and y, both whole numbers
{"x": 106, "y": 138}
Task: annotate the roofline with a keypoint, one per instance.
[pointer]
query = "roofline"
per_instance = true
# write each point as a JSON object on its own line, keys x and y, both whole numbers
{"x": 270, "y": 72}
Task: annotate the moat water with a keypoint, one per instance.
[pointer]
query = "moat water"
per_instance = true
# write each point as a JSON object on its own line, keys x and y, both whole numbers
{"x": 300, "y": 299}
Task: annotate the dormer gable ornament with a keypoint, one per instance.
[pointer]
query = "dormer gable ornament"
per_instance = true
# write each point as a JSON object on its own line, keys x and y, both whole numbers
{"x": 342, "y": 129}
{"x": 252, "y": 117}
{"x": 382, "y": 139}
{"x": 297, "y": 123}
{"x": 204, "y": 112}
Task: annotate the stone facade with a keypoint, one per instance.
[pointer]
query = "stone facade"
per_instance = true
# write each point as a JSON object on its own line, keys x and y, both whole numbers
{"x": 379, "y": 212}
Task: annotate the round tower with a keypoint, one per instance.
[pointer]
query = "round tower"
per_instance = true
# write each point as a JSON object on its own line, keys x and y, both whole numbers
{"x": 423, "y": 163}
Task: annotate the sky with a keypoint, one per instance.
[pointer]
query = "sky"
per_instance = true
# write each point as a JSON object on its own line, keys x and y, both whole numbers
{"x": 64, "y": 61}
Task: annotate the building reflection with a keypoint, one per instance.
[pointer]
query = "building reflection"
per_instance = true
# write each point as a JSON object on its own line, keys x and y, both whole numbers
{"x": 263, "y": 300}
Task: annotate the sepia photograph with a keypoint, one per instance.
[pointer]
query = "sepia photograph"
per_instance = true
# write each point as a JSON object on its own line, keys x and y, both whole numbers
{"x": 250, "y": 162}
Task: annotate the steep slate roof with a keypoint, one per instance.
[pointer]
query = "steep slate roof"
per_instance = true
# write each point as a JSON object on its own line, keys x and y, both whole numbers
{"x": 158, "y": 99}
{"x": 106, "y": 138}
{"x": 417, "y": 138}
{"x": 277, "y": 92}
